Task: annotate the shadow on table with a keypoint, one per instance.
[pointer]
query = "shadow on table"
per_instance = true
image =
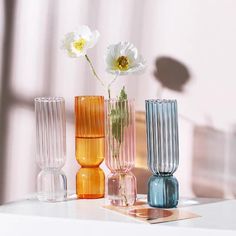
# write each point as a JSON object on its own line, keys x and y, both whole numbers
{"x": 187, "y": 202}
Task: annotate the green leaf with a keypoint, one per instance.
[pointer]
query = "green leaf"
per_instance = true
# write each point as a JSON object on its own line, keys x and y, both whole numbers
{"x": 120, "y": 116}
{"x": 123, "y": 96}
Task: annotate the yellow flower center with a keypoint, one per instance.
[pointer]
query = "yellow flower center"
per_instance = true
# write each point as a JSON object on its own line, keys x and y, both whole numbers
{"x": 122, "y": 63}
{"x": 79, "y": 44}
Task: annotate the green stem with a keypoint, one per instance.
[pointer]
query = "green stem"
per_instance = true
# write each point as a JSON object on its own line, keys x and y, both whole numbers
{"x": 122, "y": 180}
{"x": 93, "y": 70}
{"x": 109, "y": 86}
{"x": 122, "y": 186}
{"x": 122, "y": 189}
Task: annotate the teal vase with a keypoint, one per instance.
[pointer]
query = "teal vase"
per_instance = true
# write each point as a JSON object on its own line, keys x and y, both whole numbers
{"x": 163, "y": 152}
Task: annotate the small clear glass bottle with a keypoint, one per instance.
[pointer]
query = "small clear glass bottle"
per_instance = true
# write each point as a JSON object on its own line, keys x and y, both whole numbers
{"x": 51, "y": 148}
{"x": 163, "y": 152}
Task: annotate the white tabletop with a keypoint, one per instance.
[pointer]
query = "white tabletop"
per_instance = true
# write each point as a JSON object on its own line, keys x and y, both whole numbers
{"x": 87, "y": 217}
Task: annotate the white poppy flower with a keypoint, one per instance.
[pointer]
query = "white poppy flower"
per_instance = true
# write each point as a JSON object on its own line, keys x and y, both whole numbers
{"x": 78, "y": 42}
{"x": 123, "y": 59}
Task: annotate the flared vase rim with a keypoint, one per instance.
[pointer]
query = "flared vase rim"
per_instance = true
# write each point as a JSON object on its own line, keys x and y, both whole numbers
{"x": 117, "y": 100}
{"x": 49, "y": 99}
{"x": 89, "y": 96}
{"x": 155, "y": 101}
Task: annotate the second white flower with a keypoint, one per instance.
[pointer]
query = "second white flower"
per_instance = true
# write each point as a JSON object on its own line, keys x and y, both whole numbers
{"x": 123, "y": 59}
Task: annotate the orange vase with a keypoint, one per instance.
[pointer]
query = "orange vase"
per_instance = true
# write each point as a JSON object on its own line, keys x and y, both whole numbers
{"x": 90, "y": 146}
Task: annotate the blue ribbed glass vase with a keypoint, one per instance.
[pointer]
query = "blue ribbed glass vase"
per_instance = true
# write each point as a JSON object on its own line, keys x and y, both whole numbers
{"x": 163, "y": 152}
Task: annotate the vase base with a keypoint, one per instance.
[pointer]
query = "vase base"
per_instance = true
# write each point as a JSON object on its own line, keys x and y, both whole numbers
{"x": 51, "y": 186}
{"x": 90, "y": 196}
{"x": 163, "y": 191}
{"x": 55, "y": 197}
{"x": 122, "y": 203}
{"x": 122, "y": 189}
{"x": 90, "y": 183}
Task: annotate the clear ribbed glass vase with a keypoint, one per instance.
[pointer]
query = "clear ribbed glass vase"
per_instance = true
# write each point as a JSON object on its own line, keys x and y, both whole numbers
{"x": 163, "y": 151}
{"x": 51, "y": 148}
{"x": 120, "y": 151}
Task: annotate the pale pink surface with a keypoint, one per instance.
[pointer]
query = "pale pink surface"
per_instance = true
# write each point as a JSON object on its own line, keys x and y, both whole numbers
{"x": 125, "y": 159}
{"x": 46, "y": 70}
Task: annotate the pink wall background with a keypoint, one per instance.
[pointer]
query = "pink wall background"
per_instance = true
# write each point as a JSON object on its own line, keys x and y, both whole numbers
{"x": 193, "y": 39}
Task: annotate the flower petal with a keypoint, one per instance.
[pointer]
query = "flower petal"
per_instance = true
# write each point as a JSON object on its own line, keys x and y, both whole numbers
{"x": 136, "y": 64}
{"x": 83, "y": 33}
{"x": 93, "y": 39}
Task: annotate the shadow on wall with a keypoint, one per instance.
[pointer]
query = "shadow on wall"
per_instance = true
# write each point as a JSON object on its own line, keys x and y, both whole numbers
{"x": 5, "y": 100}
{"x": 213, "y": 166}
{"x": 213, "y": 161}
{"x": 213, "y": 157}
{"x": 171, "y": 74}
{"x": 231, "y": 178}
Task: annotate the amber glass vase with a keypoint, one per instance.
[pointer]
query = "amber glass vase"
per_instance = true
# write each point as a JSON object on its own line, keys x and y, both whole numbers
{"x": 90, "y": 146}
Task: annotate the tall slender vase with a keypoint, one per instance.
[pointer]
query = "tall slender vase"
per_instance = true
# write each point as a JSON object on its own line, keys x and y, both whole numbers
{"x": 120, "y": 151}
{"x": 163, "y": 152}
{"x": 90, "y": 146}
{"x": 51, "y": 148}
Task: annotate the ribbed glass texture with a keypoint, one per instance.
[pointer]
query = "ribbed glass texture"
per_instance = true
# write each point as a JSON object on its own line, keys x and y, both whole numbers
{"x": 89, "y": 112}
{"x": 120, "y": 135}
{"x": 89, "y": 130}
{"x": 90, "y": 145}
{"x": 50, "y": 132}
{"x": 120, "y": 151}
{"x": 162, "y": 136}
{"x": 51, "y": 147}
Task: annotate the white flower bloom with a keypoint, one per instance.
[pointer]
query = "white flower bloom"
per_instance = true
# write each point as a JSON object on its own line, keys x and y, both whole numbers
{"x": 78, "y": 42}
{"x": 123, "y": 59}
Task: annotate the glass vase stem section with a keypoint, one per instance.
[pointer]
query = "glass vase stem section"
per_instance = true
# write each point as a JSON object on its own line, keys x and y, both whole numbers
{"x": 90, "y": 151}
{"x": 120, "y": 151}
{"x": 162, "y": 136}
{"x": 163, "y": 152}
{"x": 90, "y": 146}
{"x": 120, "y": 135}
{"x": 51, "y": 148}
